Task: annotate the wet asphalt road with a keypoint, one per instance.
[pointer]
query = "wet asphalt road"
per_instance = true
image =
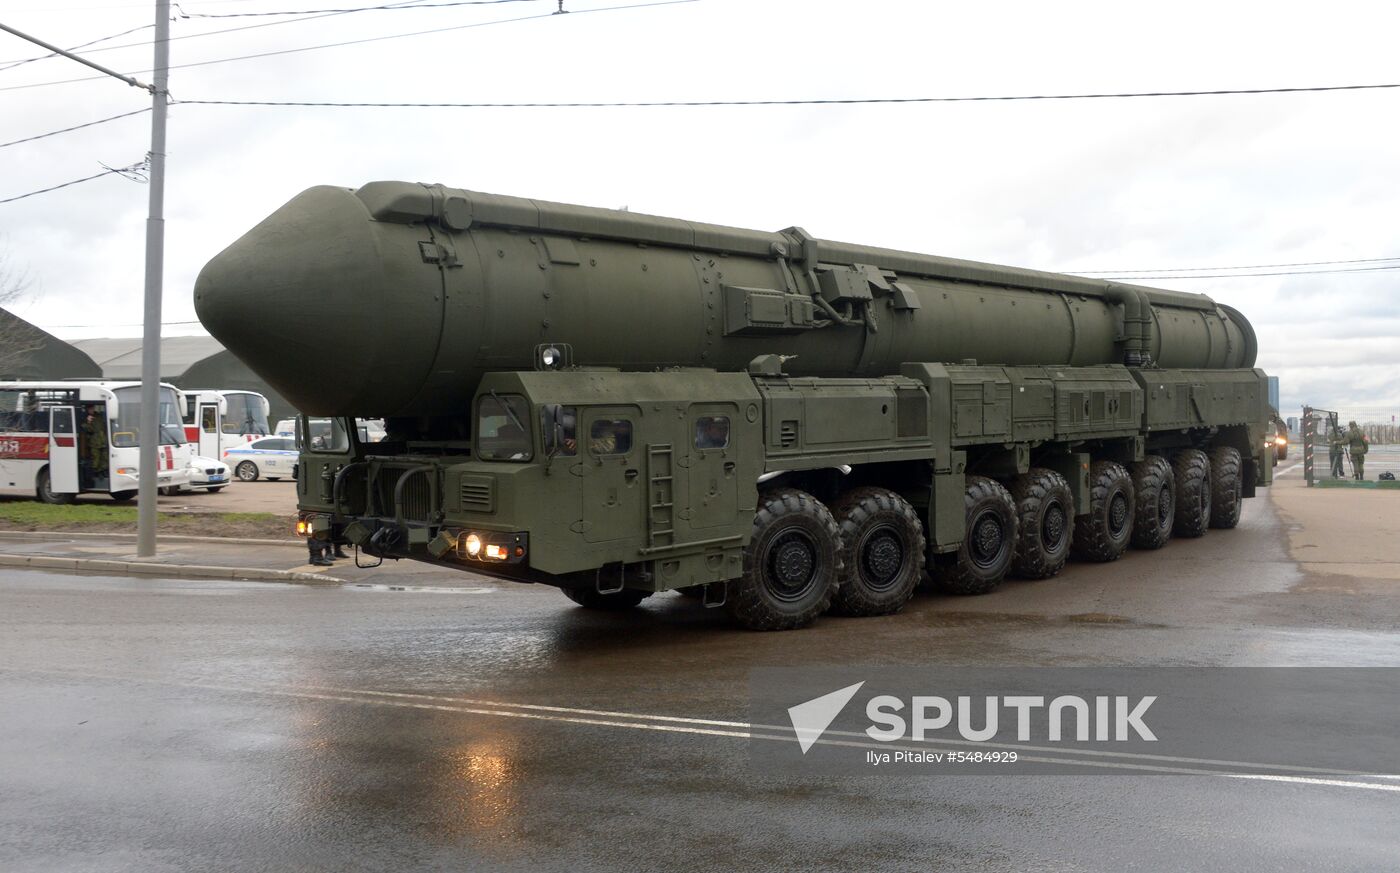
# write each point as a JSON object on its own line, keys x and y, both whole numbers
{"x": 162, "y": 725}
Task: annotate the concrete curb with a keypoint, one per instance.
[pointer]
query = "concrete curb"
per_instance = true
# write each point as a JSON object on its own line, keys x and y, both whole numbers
{"x": 179, "y": 571}
{"x": 174, "y": 538}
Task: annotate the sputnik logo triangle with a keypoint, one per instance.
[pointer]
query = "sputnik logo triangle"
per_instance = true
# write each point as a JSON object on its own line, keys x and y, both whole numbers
{"x": 811, "y": 719}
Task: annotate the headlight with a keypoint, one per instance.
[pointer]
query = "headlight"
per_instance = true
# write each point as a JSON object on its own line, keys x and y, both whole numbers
{"x": 473, "y": 545}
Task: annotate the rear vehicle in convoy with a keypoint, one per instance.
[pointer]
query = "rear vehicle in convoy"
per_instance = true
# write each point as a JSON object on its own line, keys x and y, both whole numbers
{"x": 62, "y": 439}
{"x": 617, "y": 404}
{"x": 270, "y": 458}
{"x": 216, "y": 420}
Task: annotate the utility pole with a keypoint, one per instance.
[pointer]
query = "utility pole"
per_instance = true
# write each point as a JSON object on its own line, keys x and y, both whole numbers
{"x": 155, "y": 282}
{"x": 155, "y": 270}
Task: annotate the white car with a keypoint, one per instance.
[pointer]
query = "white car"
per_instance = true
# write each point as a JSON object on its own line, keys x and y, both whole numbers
{"x": 205, "y": 473}
{"x": 208, "y": 473}
{"x": 270, "y": 457}
{"x": 371, "y": 429}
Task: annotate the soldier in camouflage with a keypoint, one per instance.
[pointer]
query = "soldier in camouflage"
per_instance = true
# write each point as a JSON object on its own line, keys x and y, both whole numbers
{"x": 1335, "y": 450}
{"x": 1356, "y": 440}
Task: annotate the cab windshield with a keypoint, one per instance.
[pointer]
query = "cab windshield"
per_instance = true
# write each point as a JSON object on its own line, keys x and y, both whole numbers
{"x": 502, "y": 432}
{"x": 126, "y": 426}
{"x": 245, "y": 415}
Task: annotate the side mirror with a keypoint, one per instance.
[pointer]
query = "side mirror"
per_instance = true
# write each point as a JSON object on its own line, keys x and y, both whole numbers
{"x": 553, "y": 429}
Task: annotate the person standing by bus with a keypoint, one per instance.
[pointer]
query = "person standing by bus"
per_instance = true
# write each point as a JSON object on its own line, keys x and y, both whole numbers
{"x": 92, "y": 449}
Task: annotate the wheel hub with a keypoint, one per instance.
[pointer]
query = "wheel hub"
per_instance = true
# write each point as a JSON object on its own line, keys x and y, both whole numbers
{"x": 988, "y": 538}
{"x": 882, "y": 557}
{"x": 1052, "y": 528}
{"x": 1164, "y": 507}
{"x": 791, "y": 565}
{"x": 1118, "y": 513}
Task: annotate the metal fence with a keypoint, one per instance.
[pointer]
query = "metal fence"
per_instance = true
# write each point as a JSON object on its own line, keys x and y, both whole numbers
{"x": 1317, "y": 427}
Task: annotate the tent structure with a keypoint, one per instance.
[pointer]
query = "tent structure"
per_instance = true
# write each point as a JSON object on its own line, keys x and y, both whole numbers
{"x": 26, "y": 352}
{"x": 185, "y": 362}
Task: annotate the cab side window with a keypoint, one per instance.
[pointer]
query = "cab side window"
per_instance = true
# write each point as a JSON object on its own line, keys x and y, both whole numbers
{"x": 712, "y": 432}
{"x": 610, "y": 437}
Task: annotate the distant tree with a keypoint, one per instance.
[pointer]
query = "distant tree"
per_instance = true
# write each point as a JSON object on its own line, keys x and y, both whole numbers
{"x": 18, "y": 339}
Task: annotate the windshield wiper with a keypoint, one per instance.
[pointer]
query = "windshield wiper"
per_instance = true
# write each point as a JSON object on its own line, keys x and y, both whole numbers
{"x": 515, "y": 419}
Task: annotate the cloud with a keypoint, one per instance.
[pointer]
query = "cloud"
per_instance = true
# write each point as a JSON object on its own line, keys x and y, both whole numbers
{"x": 1054, "y": 184}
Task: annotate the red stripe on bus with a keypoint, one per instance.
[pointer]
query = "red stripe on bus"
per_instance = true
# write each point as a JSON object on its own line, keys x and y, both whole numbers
{"x": 24, "y": 448}
{"x": 63, "y": 442}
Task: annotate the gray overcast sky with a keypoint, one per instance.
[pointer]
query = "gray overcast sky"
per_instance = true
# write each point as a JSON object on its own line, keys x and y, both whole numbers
{"x": 1061, "y": 185}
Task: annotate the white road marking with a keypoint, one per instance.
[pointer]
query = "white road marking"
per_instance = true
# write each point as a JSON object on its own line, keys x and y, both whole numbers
{"x": 419, "y": 589}
{"x": 711, "y": 727}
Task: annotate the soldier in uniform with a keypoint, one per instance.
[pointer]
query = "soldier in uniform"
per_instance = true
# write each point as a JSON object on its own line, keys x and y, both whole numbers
{"x": 1357, "y": 441}
{"x": 92, "y": 455}
{"x": 1335, "y": 443}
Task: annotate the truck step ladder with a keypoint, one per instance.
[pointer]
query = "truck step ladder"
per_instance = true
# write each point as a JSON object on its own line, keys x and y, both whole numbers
{"x": 661, "y": 496}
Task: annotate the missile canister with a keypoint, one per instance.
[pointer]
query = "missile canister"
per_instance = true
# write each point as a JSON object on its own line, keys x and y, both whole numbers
{"x": 395, "y": 298}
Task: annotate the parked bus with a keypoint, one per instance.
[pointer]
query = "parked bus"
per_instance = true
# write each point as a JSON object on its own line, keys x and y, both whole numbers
{"x": 62, "y": 439}
{"x": 217, "y": 420}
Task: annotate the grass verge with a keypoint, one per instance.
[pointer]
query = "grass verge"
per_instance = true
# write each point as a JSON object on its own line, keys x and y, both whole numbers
{"x": 98, "y": 518}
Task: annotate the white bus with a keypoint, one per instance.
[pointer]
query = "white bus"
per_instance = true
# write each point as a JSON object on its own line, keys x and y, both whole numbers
{"x": 216, "y": 420}
{"x": 62, "y": 439}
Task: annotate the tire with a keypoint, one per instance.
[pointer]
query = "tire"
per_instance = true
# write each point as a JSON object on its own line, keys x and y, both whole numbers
{"x": 214, "y": 490}
{"x": 882, "y": 552}
{"x": 614, "y": 601}
{"x": 1103, "y": 534}
{"x": 246, "y": 471}
{"x": 792, "y": 565}
{"x": 989, "y": 543}
{"x": 1155, "y": 489}
{"x": 123, "y": 496}
{"x": 1044, "y": 523}
{"x": 43, "y": 489}
{"x": 168, "y": 491}
{"x": 1226, "y": 487}
{"x": 1191, "y": 469}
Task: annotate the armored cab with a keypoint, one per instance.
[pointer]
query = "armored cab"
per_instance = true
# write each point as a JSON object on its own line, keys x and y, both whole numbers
{"x": 621, "y": 404}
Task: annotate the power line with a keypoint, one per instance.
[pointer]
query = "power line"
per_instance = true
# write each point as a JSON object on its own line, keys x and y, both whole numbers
{"x": 78, "y": 58}
{"x": 127, "y": 324}
{"x": 392, "y": 7}
{"x": 124, "y": 172}
{"x": 75, "y": 127}
{"x": 1251, "y": 275}
{"x": 373, "y": 39}
{"x": 830, "y": 101}
{"x": 1238, "y": 267}
{"x": 127, "y": 45}
{"x": 21, "y": 62}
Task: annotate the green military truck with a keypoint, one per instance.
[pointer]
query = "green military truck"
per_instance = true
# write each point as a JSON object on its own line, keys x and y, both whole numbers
{"x": 618, "y": 404}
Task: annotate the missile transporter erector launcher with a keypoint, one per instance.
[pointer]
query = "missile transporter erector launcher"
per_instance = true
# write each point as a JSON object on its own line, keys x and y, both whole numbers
{"x": 619, "y": 404}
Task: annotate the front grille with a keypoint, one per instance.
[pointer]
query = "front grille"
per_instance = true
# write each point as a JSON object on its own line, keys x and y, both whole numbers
{"x": 417, "y": 498}
{"x": 478, "y": 495}
{"x": 211, "y": 471}
{"x": 417, "y": 493}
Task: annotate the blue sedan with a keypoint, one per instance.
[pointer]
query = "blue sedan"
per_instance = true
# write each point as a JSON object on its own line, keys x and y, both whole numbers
{"x": 270, "y": 457}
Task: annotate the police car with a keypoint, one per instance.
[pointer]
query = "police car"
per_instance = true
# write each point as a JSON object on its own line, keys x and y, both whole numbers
{"x": 272, "y": 458}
